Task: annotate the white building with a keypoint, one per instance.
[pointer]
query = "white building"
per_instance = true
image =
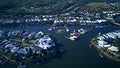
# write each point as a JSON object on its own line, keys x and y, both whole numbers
{"x": 45, "y": 42}
{"x": 58, "y": 22}
{"x": 113, "y": 50}
{"x": 102, "y": 43}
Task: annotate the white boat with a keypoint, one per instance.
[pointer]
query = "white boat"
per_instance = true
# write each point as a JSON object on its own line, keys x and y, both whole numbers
{"x": 82, "y": 31}
{"x": 72, "y": 33}
{"x": 99, "y": 33}
{"x": 79, "y": 30}
{"x": 53, "y": 27}
{"x": 90, "y": 45}
{"x": 67, "y": 30}
{"x": 100, "y": 55}
{"x": 73, "y": 38}
{"x": 50, "y": 29}
{"x": 75, "y": 33}
{"x": 59, "y": 31}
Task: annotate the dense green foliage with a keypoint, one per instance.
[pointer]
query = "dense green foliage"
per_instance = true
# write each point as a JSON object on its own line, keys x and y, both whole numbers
{"x": 15, "y": 7}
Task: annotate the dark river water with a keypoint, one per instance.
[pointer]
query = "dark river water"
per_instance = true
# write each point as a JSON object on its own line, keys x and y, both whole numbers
{"x": 118, "y": 18}
{"x": 78, "y": 54}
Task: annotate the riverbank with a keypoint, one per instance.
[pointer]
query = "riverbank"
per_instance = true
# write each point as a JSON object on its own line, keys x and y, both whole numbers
{"x": 102, "y": 52}
{"x": 117, "y": 20}
{"x": 114, "y": 20}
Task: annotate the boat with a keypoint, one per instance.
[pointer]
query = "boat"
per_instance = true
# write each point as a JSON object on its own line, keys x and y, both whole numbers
{"x": 79, "y": 30}
{"x": 99, "y": 33}
{"x": 53, "y": 27}
{"x": 67, "y": 30}
{"x": 90, "y": 45}
{"x": 50, "y": 29}
{"x": 74, "y": 31}
{"x": 82, "y": 31}
{"x": 75, "y": 34}
{"x": 59, "y": 31}
{"x": 100, "y": 55}
{"x": 73, "y": 38}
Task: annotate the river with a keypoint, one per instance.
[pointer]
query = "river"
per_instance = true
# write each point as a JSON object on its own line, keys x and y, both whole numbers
{"x": 78, "y": 54}
{"x": 118, "y": 18}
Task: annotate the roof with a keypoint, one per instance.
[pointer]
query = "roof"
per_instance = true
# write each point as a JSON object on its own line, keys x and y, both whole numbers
{"x": 22, "y": 51}
{"x": 107, "y": 45}
{"x": 113, "y": 48}
{"x": 38, "y": 48}
{"x": 25, "y": 50}
{"x": 101, "y": 42}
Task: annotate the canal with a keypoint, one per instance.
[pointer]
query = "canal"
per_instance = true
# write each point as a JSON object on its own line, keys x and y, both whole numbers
{"x": 78, "y": 53}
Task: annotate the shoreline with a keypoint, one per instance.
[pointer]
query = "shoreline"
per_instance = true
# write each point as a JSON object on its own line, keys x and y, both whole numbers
{"x": 103, "y": 53}
{"x": 114, "y": 21}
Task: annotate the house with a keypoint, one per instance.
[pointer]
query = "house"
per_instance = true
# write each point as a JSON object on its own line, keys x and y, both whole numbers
{"x": 117, "y": 34}
{"x": 58, "y": 23}
{"x": 102, "y": 43}
{"x": 39, "y": 34}
{"x": 37, "y": 49}
{"x": 106, "y": 45}
{"x": 45, "y": 19}
{"x": 25, "y": 51}
{"x": 9, "y": 45}
{"x": 98, "y": 15}
{"x": 71, "y": 21}
{"x": 101, "y": 21}
{"x": 13, "y": 33}
{"x": 45, "y": 42}
{"x": 107, "y": 37}
{"x": 101, "y": 38}
{"x": 110, "y": 35}
{"x": 18, "y": 21}
{"x": 12, "y": 47}
{"x": 114, "y": 50}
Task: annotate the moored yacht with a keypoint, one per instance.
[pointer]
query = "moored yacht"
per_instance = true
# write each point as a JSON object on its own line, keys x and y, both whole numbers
{"x": 67, "y": 30}
{"x": 73, "y": 38}
{"x": 50, "y": 29}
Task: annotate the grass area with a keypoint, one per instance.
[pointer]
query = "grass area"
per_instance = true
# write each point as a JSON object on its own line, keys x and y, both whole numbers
{"x": 23, "y": 44}
{"x": 96, "y": 4}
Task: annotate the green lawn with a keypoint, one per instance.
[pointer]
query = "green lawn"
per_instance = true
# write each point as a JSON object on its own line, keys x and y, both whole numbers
{"x": 96, "y": 4}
